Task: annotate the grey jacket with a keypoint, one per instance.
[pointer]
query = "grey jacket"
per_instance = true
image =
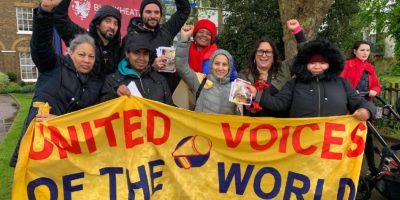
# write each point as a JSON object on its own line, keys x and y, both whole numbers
{"x": 214, "y": 99}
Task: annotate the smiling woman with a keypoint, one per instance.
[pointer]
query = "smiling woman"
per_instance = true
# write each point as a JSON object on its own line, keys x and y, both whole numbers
{"x": 211, "y": 90}
{"x": 134, "y": 71}
{"x": 266, "y": 69}
{"x": 66, "y": 83}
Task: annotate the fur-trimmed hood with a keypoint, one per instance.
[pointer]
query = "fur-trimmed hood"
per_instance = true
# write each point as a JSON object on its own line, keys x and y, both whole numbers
{"x": 324, "y": 48}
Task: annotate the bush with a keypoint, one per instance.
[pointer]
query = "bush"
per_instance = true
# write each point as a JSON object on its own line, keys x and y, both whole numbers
{"x": 4, "y": 81}
{"x": 28, "y": 89}
{"x": 21, "y": 83}
{"x": 13, "y": 88}
{"x": 12, "y": 76}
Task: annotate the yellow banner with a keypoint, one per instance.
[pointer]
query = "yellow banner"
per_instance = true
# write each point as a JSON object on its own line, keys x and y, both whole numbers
{"x": 132, "y": 148}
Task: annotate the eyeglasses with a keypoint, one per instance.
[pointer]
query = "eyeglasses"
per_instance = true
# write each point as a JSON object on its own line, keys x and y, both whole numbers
{"x": 262, "y": 52}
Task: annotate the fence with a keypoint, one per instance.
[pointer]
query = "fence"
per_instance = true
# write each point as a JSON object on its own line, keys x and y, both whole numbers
{"x": 390, "y": 92}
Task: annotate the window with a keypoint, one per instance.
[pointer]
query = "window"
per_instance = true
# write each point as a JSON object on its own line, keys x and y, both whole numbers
{"x": 24, "y": 20}
{"x": 29, "y": 72}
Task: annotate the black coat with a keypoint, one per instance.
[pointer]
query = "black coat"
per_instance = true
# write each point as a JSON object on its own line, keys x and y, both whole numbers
{"x": 151, "y": 84}
{"x": 58, "y": 84}
{"x": 107, "y": 57}
{"x": 163, "y": 35}
{"x": 317, "y": 96}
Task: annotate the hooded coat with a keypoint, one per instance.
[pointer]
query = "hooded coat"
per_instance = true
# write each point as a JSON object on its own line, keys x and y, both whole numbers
{"x": 326, "y": 94}
{"x": 214, "y": 96}
{"x": 58, "y": 84}
{"x": 107, "y": 56}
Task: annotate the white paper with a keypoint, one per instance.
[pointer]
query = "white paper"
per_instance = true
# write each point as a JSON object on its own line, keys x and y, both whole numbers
{"x": 134, "y": 90}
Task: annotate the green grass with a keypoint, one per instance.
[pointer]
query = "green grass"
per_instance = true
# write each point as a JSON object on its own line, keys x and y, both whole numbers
{"x": 8, "y": 145}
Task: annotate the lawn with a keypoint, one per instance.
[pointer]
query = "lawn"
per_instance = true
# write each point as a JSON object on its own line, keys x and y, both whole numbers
{"x": 8, "y": 145}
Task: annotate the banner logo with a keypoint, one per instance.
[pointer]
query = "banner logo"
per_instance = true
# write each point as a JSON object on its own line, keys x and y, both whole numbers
{"x": 192, "y": 151}
{"x": 81, "y": 8}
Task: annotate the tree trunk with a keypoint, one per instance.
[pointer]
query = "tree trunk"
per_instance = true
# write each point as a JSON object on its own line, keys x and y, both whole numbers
{"x": 220, "y": 19}
{"x": 310, "y": 14}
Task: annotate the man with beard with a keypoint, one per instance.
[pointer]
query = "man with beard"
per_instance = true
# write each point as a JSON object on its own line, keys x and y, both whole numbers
{"x": 148, "y": 28}
{"x": 104, "y": 28}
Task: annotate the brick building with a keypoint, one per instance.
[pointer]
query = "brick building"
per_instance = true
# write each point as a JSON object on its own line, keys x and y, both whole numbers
{"x": 15, "y": 35}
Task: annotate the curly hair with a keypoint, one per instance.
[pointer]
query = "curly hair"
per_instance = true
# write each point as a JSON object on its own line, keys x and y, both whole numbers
{"x": 326, "y": 49}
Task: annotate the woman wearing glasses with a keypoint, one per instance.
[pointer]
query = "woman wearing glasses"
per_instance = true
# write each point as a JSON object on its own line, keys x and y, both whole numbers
{"x": 266, "y": 70}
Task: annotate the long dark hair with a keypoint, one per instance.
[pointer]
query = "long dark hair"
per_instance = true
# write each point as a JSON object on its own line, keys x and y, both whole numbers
{"x": 276, "y": 64}
{"x": 357, "y": 45}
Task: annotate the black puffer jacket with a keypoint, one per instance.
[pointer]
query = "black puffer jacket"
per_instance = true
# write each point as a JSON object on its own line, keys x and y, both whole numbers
{"x": 58, "y": 84}
{"x": 150, "y": 83}
{"x": 107, "y": 57}
{"x": 316, "y": 96}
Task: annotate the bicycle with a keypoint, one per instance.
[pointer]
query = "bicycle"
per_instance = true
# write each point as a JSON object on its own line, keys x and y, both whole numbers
{"x": 387, "y": 181}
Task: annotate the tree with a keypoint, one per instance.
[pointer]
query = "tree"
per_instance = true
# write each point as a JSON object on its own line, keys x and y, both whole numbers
{"x": 310, "y": 13}
{"x": 383, "y": 16}
{"x": 249, "y": 20}
{"x": 343, "y": 25}
{"x": 245, "y": 23}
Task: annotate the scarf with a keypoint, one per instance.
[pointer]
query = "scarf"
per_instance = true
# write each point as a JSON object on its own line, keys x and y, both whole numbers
{"x": 196, "y": 57}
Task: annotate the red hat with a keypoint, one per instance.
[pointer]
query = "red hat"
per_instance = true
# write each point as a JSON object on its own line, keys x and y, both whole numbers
{"x": 207, "y": 24}
{"x": 318, "y": 58}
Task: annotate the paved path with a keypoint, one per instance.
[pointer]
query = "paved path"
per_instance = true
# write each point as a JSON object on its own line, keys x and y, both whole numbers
{"x": 8, "y": 110}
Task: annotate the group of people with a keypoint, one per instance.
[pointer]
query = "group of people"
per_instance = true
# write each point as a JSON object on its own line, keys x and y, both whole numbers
{"x": 99, "y": 67}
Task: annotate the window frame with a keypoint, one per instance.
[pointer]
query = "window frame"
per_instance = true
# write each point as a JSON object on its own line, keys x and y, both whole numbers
{"x": 27, "y": 19}
{"x": 28, "y": 65}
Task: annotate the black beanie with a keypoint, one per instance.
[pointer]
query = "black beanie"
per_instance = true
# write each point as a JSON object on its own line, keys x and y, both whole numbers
{"x": 106, "y": 11}
{"x": 146, "y": 2}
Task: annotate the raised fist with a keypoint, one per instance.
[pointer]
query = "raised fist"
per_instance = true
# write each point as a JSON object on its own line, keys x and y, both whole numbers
{"x": 186, "y": 32}
{"x": 292, "y": 24}
{"x": 48, "y": 5}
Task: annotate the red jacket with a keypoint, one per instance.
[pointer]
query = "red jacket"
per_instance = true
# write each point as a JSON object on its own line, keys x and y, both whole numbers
{"x": 354, "y": 69}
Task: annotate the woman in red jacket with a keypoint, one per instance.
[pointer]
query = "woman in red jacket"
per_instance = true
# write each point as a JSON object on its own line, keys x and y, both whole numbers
{"x": 360, "y": 72}
{"x": 362, "y": 76}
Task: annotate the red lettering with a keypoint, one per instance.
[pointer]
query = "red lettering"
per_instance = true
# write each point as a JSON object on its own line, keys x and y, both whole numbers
{"x": 329, "y": 139}
{"x": 283, "y": 142}
{"x": 130, "y": 127}
{"x": 228, "y": 135}
{"x": 296, "y": 139}
{"x": 62, "y": 144}
{"x": 253, "y": 137}
{"x": 87, "y": 131}
{"x": 47, "y": 147}
{"x": 107, "y": 123}
{"x": 356, "y": 139}
{"x": 151, "y": 115}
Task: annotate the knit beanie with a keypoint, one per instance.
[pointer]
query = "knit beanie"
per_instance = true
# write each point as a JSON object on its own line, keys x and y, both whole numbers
{"x": 206, "y": 24}
{"x": 146, "y": 2}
